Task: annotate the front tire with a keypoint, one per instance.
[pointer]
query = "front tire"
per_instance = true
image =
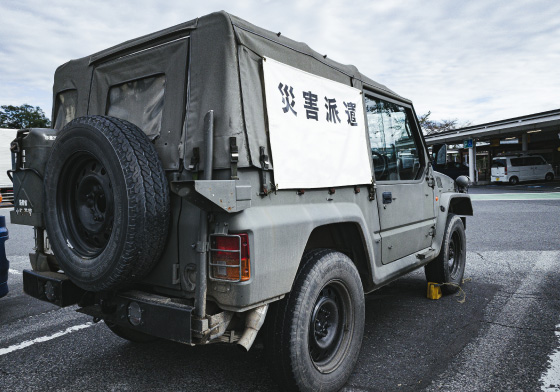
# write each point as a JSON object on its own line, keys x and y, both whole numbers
{"x": 549, "y": 177}
{"x": 448, "y": 267}
{"x": 314, "y": 334}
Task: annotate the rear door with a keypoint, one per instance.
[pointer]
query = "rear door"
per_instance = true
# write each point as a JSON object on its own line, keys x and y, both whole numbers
{"x": 404, "y": 196}
{"x": 498, "y": 168}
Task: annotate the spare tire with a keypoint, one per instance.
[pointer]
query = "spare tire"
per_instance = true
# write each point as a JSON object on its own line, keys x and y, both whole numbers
{"x": 107, "y": 202}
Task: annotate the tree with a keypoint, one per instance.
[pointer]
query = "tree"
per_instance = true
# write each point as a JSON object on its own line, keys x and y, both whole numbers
{"x": 431, "y": 127}
{"x": 24, "y": 116}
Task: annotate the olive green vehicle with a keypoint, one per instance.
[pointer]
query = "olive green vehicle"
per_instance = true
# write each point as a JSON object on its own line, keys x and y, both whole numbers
{"x": 213, "y": 178}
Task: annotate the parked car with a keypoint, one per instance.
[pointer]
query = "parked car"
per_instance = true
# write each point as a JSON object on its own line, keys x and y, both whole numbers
{"x": 212, "y": 175}
{"x": 4, "y": 265}
{"x": 520, "y": 167}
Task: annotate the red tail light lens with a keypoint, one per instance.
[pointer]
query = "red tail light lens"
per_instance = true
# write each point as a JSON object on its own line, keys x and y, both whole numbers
{"x": 230, "y": 257}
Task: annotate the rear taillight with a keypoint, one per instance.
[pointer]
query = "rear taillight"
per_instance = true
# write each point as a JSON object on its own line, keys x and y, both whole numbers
{"x": 230, "y": 257}
{"x": 505, "y": 170}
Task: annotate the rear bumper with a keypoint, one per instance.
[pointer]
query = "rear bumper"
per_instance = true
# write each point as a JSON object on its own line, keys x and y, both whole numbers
{"x": 499, "y": 178}
{"x": 158, "y": 315}
{"x": 144, "y": 312}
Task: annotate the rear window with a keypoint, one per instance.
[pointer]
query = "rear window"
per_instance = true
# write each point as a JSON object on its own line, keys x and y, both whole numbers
{"x": 518, "y": 162}
{"x": 140, "y": 102}
{"x": 65, "y": 108}
{"x": 499, "y": 163}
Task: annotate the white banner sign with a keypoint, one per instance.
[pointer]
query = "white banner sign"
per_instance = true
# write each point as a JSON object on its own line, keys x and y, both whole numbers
{"x": 317, "y": 130}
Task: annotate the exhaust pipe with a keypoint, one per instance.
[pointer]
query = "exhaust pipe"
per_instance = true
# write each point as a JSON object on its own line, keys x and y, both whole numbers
{"x": 253, "y": 323}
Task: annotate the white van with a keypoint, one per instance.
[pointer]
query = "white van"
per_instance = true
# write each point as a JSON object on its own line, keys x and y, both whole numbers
{"x": 521, "y": 167}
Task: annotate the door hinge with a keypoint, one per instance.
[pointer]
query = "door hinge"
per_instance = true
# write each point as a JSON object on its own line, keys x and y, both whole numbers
{"x": 430, "y": 181}
{"x": 372, "y": 188}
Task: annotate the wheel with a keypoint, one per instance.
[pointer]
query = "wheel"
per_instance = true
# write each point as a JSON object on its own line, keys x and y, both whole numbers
{"x": 106, "y": 202}
{"x": 314, "y": 334}
{"x": 549, "y": 177}
{"x": 514, "y": 180}
{"x": 130, "y": 334}
{"x": 448, "y": 267}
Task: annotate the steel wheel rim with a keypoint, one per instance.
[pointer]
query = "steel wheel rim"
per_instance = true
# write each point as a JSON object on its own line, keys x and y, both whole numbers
{"x": 329, "y": 332}
{"x": 85, "y": 200}
{"x": 455, "y": 254}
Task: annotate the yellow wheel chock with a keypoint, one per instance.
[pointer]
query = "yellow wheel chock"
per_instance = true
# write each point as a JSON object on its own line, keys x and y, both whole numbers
{"x": 434, "y": 290}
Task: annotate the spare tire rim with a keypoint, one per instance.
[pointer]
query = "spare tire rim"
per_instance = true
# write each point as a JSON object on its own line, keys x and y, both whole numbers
{"x": 328, "y": 330}
{"x": 86, "y": 202}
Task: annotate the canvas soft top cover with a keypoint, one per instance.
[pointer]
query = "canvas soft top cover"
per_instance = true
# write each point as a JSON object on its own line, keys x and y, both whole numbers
{"x": 224, "y": 73}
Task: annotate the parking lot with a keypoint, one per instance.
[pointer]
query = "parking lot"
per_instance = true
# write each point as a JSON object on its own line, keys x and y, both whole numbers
{"x": 501, "y": 334}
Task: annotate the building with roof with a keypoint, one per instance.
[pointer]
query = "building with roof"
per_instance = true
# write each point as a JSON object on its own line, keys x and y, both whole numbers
{"x": 537, "y": 133}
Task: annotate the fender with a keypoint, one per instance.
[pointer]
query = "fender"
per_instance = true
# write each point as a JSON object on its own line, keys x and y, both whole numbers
{"x": 280, "y": 234}
{"x": 454, "y": 203}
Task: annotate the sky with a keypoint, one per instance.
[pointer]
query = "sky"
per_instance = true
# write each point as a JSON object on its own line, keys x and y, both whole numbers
{"x": 475, "y": 61}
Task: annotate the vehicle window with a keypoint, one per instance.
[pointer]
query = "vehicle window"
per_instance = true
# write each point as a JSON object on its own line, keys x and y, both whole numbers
{"x": 65, "y": 108}
{"x": 140, "y": 102}
{"x": 518, "y": 162}
{"x": 534, "y": 161}
{"x": 499, "y": 163}
{"x": 394, "y": 150}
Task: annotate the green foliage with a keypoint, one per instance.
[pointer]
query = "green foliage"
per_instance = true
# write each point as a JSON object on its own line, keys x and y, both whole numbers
{"x": 24, "y": 116}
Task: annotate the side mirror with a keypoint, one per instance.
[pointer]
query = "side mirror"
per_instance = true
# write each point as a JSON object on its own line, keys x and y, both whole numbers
{"x": 462, "y": 183}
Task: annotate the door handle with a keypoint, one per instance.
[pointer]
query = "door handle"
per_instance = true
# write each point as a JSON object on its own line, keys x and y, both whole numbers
{"x": 387, "y": 197}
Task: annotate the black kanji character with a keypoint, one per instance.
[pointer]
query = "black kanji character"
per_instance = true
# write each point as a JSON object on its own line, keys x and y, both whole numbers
{"x": 332, "y": 113}
{"x": 351, "y": 113}
{"x": 311, "y": 108}
{"x": 286, "y": 92}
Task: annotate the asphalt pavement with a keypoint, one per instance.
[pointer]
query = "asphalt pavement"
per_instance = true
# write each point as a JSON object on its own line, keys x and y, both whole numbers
{"x": 500, "y": 334}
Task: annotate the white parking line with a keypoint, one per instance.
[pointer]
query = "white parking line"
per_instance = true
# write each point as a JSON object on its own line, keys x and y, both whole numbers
{"x": 551, "y": 378}
{"x": 27, "y": 343}
{"x": 14, "y": 272}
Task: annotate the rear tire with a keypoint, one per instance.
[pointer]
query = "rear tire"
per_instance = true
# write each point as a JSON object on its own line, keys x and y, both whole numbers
{"x": 448, "y": 267}
{"x": 514, "y": 180}
{"x": 130, "y": 334}
{"x": 314, "y": 334}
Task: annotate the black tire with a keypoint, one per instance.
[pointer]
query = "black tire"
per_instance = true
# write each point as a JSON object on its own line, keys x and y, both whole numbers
{"x": 130, "y": 334}
{"x": 448, "y": 267}
{"x": 106, "y": 202}
{"x": 513, "y": 180}
{"x": 549, "y": 177}
{"x": 314, "y": 334}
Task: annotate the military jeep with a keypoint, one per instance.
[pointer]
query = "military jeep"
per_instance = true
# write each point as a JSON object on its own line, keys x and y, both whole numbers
{"x": 213, "y": 177}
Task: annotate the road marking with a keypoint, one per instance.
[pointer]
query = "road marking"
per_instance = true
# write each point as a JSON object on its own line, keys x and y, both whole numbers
{"x": 516, "y": 196}
{"x": 14, "y": 272}
{"x": 551, "y": 378}
{"x": 27, "y": 343}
